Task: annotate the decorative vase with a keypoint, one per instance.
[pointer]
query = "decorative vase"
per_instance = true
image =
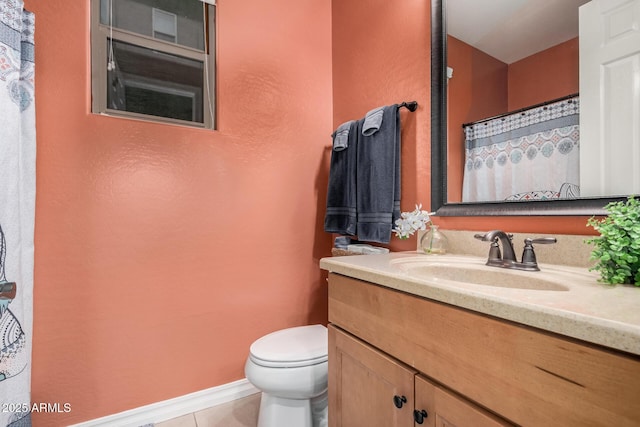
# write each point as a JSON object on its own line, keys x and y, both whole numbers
{"x": 434, "y": 242}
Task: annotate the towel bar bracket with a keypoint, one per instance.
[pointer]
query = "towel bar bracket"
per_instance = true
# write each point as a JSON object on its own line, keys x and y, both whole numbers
{"x": 411, "y": 105}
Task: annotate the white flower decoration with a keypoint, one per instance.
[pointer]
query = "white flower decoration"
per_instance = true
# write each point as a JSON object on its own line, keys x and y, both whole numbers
{"x": 410, "y": 222}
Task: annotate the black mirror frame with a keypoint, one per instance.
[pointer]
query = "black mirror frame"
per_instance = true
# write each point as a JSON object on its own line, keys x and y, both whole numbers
{"x": 439, "y": 203}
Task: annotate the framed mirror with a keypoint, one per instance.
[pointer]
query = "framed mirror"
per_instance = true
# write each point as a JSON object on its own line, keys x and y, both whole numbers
{"x": 441, "y": 202}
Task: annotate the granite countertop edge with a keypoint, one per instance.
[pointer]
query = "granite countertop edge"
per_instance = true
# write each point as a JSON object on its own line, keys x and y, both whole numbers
{"x": 612, "y": 330}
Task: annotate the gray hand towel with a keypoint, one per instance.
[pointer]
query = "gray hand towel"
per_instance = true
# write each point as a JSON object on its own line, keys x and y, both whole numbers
{"x": 372, "y": 121}
{"x": 341, "y": 136}
{"x": 378, "y": 179}
{"x": 343, "y": 241}
{"x": 340, "y": 216}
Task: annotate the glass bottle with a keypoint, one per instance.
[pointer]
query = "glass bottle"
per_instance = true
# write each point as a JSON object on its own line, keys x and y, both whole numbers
{"x": 434, "y": 242}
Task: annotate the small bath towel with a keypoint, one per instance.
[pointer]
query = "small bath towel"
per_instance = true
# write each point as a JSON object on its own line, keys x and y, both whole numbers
{"x": 343, "y": 241}
{"x": 372, "y": 121}
{"x": 378, "y": 179}
{"x": 341, "y": 192}
{"x": 341, "y": 136}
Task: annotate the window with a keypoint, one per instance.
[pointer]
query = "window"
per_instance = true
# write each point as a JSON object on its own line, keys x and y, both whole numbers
{"x": 154, "y": 60}
{"x": 165, "y": 25}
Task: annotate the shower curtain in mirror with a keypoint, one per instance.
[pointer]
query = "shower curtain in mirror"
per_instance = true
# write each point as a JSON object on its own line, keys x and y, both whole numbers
{"x": 533, "y": 154}
{"x": 17, "y": 210}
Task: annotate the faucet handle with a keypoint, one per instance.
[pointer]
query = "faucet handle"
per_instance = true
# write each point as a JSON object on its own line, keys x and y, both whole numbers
{"x": 528, "y": 255}
{"x": 541, "y": 240}
{"x": 494, "y": 250}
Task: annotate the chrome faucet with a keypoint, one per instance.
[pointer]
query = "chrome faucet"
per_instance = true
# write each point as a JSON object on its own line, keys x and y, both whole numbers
{"x": 508, "y": 257}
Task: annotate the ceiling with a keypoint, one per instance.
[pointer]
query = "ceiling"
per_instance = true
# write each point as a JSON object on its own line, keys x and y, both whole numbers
{"x": 510, "y": 30}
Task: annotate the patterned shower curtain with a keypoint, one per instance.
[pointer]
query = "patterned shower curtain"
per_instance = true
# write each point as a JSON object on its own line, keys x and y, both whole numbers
{"x": 533, "y": 154}
{"x": 17, "y": 210}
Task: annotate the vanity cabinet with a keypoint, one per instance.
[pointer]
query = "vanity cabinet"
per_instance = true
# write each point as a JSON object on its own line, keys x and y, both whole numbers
{"x": 464, "y": 368}
{"x": 369, "y": 388}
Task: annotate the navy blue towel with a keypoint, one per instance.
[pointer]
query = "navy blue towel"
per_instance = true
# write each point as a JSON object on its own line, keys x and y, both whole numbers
{"x": 341, "y": 193}
{"x": 378, "y": 179}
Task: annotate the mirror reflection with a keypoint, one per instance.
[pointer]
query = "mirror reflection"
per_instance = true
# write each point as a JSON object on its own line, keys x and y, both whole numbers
{"x": 513, "y": 107}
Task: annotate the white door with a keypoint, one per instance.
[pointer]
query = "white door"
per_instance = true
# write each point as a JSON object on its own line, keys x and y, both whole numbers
{"x": 610, "y": 98}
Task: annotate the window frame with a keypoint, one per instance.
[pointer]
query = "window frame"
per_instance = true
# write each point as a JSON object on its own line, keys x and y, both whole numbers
{"x": 99, "y": 44}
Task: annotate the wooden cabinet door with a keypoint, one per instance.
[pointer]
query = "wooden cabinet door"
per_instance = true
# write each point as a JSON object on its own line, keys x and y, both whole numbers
{"x": 365, "y": 385}
{"x": 446, "y": 409}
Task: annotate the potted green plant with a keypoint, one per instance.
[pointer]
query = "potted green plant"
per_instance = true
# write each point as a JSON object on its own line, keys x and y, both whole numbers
{"x": 617, "y": 249}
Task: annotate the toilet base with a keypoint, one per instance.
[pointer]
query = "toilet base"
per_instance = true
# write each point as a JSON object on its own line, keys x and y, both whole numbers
{"x": 280, "y": 412}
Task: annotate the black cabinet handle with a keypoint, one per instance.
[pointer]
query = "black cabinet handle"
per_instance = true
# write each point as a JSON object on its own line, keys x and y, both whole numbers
{"x": 419, "y": 416}
{"x": 399, "y": 401}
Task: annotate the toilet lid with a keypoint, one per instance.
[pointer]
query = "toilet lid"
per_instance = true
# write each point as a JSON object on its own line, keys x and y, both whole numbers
{"x": 300, "y": 346}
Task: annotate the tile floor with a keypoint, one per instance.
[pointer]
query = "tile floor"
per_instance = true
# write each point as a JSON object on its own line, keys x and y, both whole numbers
{"x": 239, "y": 413}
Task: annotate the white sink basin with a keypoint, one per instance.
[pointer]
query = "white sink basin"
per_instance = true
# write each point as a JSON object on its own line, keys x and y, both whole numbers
{"x": 476, "y": 273}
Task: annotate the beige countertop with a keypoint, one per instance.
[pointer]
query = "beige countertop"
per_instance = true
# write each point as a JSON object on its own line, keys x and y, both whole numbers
{"x": 585, "y": 309}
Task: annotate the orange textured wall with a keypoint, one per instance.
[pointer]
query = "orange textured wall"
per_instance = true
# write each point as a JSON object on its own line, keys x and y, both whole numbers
{"x": 476, "y": 76}
{"x": 381, "y": 57}
{"x": 163, "y": 251}
{"x": 550, "y": 74}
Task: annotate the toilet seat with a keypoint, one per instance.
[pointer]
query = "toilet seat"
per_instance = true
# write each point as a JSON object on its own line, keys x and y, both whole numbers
{"x": 291, "y": 348}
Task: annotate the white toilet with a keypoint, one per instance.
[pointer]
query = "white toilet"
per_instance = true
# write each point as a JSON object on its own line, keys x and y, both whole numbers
{"x": 290, "y": 368}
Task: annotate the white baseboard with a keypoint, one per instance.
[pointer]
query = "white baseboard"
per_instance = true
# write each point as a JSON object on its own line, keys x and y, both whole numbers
{"x": 172, "y": 408}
